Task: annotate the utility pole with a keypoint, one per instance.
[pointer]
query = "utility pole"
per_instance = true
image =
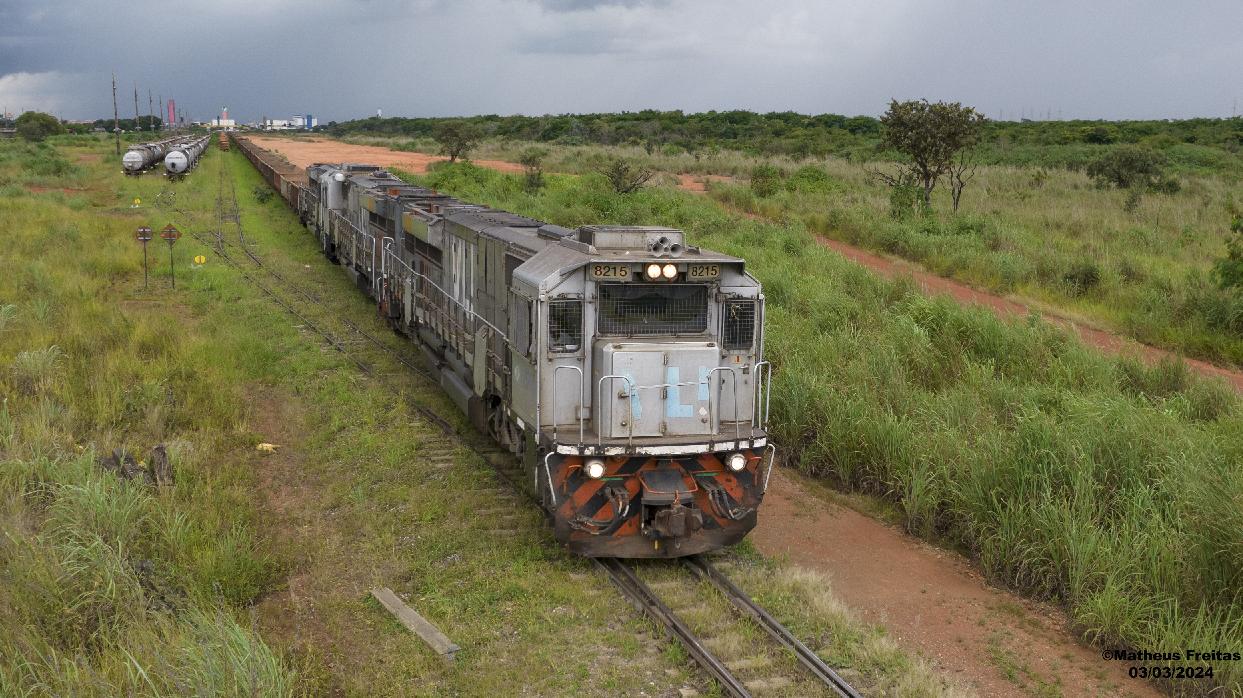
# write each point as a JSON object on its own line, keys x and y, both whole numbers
{"x": 151, "y": 111}
{"x": 136, "y": 122}
{"x": 116, "y": 118}
{"x": 163, "y": 110}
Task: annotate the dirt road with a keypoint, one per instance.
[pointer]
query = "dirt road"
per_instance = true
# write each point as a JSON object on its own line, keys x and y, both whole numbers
{"x": 307, "y": 151}
{"x": 932, "y": 601}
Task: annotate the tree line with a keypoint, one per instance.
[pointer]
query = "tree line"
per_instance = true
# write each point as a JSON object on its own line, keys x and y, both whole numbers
{"x": 803, "y": 135}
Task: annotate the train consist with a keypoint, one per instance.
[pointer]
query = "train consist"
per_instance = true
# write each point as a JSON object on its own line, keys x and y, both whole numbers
{"x": 143, "y": 156}
{"x": 184, "y": 155}
{"x": 622, "y": 365}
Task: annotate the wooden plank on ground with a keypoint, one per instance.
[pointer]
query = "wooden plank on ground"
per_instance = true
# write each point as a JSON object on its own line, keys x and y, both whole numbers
{"x": 415, "y": 623}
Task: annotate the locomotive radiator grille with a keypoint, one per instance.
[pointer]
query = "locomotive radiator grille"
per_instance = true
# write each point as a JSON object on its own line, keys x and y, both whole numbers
{"x": 652, "y": 309}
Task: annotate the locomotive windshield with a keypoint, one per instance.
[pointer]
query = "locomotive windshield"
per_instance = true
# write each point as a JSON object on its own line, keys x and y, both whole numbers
{"x": 652, "y": 309}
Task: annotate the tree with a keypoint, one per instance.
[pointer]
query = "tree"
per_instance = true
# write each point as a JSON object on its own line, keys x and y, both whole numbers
{"x": 625, "y": 177}
{"x": 457, "y": 138}
{"x": 932, "y": 136}
{"x": 961, "y": 171}
{"x": 532, "y": 161}
{"x": 35, "y": 126}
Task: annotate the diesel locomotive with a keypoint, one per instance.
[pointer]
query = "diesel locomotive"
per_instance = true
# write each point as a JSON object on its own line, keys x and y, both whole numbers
{"x": 623, "y": 366}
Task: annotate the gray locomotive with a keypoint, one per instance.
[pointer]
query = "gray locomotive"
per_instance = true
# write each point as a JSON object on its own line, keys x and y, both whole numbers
{"x": 622, "y": 365}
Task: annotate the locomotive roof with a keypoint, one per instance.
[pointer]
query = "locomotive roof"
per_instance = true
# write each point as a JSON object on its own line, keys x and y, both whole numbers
{"x": 546, "y": 267}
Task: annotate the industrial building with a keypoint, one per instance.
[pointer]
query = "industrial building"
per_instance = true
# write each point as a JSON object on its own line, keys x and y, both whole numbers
{"x": 297, "y": 121}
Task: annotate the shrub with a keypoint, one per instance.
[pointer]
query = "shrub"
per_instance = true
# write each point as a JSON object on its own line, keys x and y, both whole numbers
{"x": 1082, "y": 277}
{"x": 765, "y": 180}
{"x": 811, "y": 179}
{"x": 1229, "y": 270}
{"x": 263, "y": 193}
{"x": 532, "y": 161}
{"x": 1130, "y": 167}
{"x": 624, "y": 176}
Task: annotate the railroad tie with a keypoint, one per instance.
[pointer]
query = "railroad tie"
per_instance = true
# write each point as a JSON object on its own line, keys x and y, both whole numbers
{"x": 769, "y": 685}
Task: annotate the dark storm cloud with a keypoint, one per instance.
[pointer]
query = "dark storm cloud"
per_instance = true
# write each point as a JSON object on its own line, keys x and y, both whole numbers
{"x": 346, "y": 58}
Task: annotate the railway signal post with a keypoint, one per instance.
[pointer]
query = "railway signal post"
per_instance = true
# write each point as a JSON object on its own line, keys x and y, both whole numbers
{"x": 171, "y": 235}
{"x": 143, "y": 234}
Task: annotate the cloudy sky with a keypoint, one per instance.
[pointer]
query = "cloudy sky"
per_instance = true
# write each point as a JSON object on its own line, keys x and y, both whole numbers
{"x": 340, "y": 59}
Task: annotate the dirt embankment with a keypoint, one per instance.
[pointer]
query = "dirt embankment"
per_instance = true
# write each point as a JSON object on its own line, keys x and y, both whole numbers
{"x": 308, "y": 151}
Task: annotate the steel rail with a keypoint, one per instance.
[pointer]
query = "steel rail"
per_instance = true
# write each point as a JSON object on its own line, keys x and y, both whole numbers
{"x": 648, "y": 602}
{"x": 809, "y": 659}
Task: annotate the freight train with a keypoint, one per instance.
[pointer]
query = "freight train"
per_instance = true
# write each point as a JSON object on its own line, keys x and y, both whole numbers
{"x": 622, "y": 365}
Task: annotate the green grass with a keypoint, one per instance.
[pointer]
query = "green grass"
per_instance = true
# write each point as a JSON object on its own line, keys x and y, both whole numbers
{"x": 107, "y": 586}
{"x": 1107, "y": 485}
{"x": 250, "y": 575}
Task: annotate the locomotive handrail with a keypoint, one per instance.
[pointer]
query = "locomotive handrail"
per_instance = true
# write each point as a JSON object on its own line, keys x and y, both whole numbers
{"x": 632, "y": 394}
{"x": 473, "y": 314}
{"x": 771, "y": 452}
{"x": 581, "y": 401}
{"x": 763, "y": 389}
{"x": 716, "y": 424}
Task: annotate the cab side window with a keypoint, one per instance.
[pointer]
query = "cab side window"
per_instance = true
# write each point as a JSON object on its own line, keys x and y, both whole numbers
{"x": 565, "y": 325}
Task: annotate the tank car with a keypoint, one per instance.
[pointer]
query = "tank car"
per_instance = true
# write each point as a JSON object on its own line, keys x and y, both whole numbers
{"x": 140, "y": 157}
{"x": 183, "y": 156}
{"x": 624, "y": 366}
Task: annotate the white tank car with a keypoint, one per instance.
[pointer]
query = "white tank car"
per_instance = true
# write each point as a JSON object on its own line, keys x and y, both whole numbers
{"x": 140, "y": 157}
{"x": 184, "y": 156}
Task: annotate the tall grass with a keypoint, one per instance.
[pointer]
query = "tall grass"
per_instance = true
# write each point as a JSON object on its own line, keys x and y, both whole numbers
{"x": 1107, "y": 485}
{"x": 108, "y": 586}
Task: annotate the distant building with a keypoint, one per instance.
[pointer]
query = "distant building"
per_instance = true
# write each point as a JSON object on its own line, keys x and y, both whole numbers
{"x": 296, "y": 122}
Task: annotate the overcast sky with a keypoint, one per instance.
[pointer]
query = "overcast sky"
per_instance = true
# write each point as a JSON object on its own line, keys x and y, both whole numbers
{"x": 340, "y": 59}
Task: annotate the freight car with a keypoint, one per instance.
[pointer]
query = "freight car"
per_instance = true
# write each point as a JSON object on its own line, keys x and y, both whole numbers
{"x": 144, "y": 155}
{"x": 622, "y": 365}
{"x": 184, "y": 155}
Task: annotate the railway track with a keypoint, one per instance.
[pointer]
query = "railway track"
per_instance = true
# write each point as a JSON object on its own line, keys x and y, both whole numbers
{"x": 735, "y": 641}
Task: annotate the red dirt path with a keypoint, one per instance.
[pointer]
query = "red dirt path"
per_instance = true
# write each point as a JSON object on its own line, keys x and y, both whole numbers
{"x": 932, "y": 601}
{"x": 1003, "y": 308}
{"x": 307, "y": 151}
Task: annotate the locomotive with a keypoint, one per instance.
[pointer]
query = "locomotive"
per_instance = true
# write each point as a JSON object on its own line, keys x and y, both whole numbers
{"x": 622, "y": 365}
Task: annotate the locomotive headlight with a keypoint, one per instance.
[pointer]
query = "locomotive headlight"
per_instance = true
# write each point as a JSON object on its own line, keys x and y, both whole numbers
{"x": 736, "y": 462}
{"x": 652, "y": 271}
{"x": 669, "y": 271}
{"x": 594, "y": 468}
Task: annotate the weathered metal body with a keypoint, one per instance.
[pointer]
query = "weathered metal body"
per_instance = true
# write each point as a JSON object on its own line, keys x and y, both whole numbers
{"x": 145, "y": 155}
{"x": 627, "y": 397}
{"x": 184, "y": 155}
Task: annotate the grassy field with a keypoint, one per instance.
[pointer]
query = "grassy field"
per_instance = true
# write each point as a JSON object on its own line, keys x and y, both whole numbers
{"x": 249, "y": 575}
{"x": 1107, "y": 485}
